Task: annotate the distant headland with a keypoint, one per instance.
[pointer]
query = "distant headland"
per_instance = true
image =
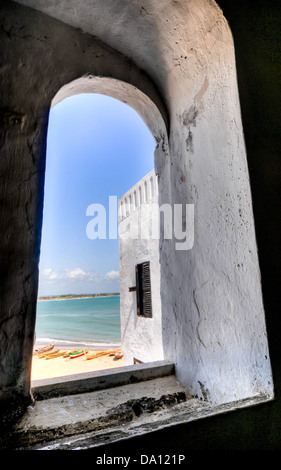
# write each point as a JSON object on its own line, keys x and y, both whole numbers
{"x": 75, "y": 296}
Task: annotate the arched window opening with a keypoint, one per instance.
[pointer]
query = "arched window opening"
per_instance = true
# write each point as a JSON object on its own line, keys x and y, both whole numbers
{"x": 97, "y": 149}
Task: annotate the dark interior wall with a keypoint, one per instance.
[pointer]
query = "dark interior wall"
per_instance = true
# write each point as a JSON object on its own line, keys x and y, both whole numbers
{"x": 38, "y": 55}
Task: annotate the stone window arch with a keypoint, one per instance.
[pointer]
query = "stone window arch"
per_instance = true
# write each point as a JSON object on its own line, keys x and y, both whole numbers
{"x": 178, "y": 71}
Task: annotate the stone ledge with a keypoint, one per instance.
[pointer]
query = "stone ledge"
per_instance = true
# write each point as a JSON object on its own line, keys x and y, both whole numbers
{"x": 93, "y": 381}
{"x": 106, "y": 424}
{"x": 68, "y": 416}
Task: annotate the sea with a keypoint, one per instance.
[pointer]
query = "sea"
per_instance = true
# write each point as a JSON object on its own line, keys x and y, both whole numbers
{"x": 92, "y": 322}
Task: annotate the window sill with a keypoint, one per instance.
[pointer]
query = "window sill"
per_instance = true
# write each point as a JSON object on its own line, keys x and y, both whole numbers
{"x": 134, "y": 402}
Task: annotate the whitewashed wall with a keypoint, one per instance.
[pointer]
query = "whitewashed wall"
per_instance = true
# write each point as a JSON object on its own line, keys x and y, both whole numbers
{"x": 141, "y": 337}
{"x": 213, "y": 321}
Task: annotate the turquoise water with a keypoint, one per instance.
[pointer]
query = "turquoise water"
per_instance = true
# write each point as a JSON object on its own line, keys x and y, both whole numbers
{"x": 93, "y": 321}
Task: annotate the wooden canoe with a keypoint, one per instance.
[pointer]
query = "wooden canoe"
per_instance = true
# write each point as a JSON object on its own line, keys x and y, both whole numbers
{"x": 53, "y": 356}
{"x": 48, "y": 353}
{"x": 81, "y": 353}
{"x": 70, "y": 353}
{"x": 94, "y": 355}
{"x": 43, "y": 349}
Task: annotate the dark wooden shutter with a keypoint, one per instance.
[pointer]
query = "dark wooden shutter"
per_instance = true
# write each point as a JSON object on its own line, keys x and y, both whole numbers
{"x": 143, "y": 290}
{"x": 138, "y": 290}
{"x": 146, "y": 285}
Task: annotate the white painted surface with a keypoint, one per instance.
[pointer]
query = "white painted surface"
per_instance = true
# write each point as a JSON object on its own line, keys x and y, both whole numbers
{"x": 213, "y": 325}
{"x": 119, "y": 90}
{"x": 141, "y": 337}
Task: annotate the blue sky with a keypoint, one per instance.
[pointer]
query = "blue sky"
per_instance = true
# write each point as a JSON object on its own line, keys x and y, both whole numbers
{"x": 97, "y": 147}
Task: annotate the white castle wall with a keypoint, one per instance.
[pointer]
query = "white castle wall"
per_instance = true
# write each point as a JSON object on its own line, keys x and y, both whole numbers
{"x": 141, "y": 337}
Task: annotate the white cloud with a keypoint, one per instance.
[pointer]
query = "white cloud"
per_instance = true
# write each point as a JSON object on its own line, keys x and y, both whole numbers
{"x": 80, "y": 274}
{"x": 48, "y": 274}
{"x": 76, "y": 273}
{"x": 112, "y": 275}
{"x": 53, "y": 276}
{"x": 45, "y": 272}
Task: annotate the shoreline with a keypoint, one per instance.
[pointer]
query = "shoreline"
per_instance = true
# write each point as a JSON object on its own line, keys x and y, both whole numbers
{"x": 78, "y": 297}
{"x": 69, "y": 345}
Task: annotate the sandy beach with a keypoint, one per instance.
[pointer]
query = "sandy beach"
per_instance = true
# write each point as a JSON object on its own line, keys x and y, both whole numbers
{"x": 43, "y": 368}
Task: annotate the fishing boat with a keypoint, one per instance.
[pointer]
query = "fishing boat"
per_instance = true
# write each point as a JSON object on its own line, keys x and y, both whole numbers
{"x": 94, "y": 355}
{"x": 56, "y": 354}
{"x": 43, "y": 349}
{"x": 81, "y": 353}
{"x": 49, "y": 353}
{"x": 70, "y": 353}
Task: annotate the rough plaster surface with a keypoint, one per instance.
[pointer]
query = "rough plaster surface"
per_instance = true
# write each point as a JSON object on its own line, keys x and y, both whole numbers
{"x": 141, "y": 337}
{"x": 39, "y": 56}
{"x": 212, "y": 313}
